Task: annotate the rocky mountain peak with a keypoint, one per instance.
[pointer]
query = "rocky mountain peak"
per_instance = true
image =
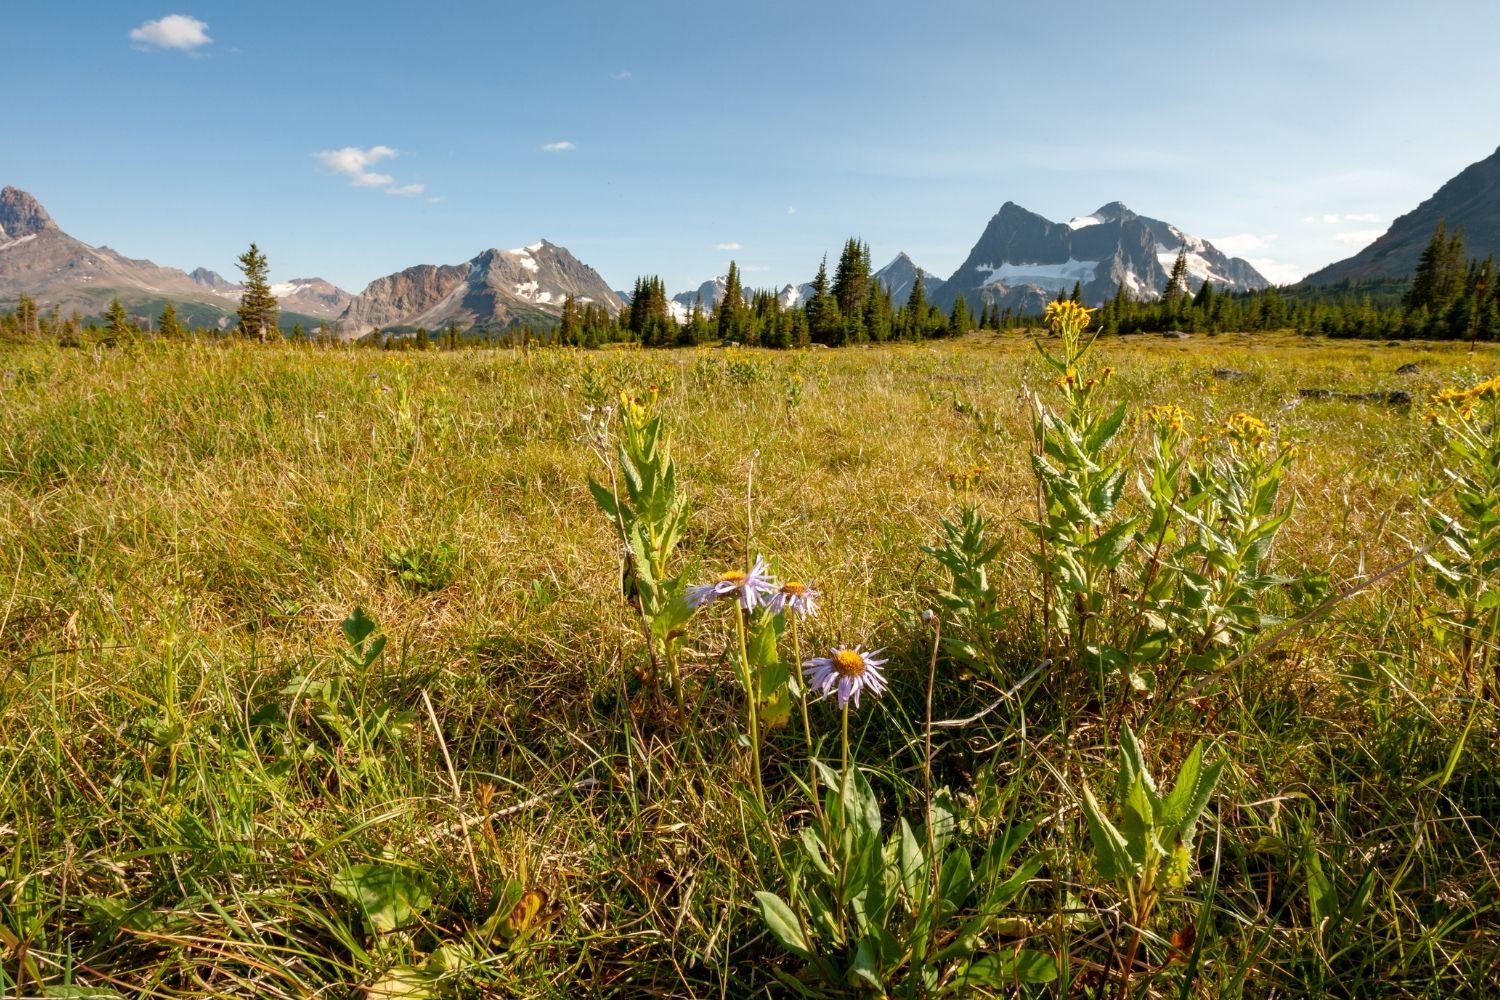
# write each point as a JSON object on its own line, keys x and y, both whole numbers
{"x": 22, "y": 215}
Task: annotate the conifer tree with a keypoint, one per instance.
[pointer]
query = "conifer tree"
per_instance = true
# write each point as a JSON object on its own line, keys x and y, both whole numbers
{"x": 852, "y": 276}
{"x": 1177, "y": 283}
{"x": 822, "y": 309}
{"x": 731, "y": 315}
{"x": 959, "y": 321}
{"x": 1077, "y": 295}
{"x": 167, "y": 325}
{"x": 117, "y": 322}
{"x": 258, "y": 306}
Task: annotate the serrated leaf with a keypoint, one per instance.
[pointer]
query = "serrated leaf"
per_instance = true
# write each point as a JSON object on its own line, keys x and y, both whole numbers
{"x": 1111, "y": 852}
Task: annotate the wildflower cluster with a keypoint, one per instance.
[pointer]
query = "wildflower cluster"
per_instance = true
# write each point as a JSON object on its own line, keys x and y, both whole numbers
{"x": 1244, "y": 429}
{"x": 1450, "y": 402}
{"x": 1167, "y": 416}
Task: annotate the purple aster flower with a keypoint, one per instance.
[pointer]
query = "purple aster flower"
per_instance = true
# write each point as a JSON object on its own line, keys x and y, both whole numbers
{"x": 794, "y": 596}
{"x": 845, "y": 673}
{"x": 750, "y": 588}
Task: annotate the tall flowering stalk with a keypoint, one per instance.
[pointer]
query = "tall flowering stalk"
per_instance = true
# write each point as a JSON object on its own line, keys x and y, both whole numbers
{"x": 650, "y": 515}
{"x": 1080, "y": 481}
{"x": 1467, "y": 567}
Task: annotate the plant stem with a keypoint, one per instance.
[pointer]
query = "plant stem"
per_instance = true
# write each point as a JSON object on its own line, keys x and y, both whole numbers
{"x": 752, "y": 697}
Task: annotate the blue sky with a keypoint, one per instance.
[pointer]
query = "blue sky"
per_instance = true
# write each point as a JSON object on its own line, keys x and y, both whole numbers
{"x": 684, "y": 134}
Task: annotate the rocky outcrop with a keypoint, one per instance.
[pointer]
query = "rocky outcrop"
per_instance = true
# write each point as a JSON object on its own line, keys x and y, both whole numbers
{"x": 900, "y": 275}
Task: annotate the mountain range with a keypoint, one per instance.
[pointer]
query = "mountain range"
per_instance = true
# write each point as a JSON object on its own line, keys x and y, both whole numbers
{"x": 1470, "y": 201}
{"x": 1020, "y": 261}
{"x": 37, "y": 258}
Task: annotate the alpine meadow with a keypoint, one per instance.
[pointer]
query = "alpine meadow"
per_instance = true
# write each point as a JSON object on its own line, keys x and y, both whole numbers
{"x": 1111, "y": 614}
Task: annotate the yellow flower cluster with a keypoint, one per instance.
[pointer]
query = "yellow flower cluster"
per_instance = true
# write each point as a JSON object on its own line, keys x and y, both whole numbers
{"x": 1245, "y": 428}
{"x": 1463, "y": 401}
{"x": 1168, "y": 415}
{"x": 968, "y": 478}
{"x": 1067, "y": 315}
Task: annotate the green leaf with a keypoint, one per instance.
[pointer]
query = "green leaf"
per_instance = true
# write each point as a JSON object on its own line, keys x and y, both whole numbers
{"x": 604, "y": 498}
{"x": 357, "y": 627}
{"x": 998, "y": 971}
{"x": 865, "y": 969}
{"x": 783, "y": 924}
{"x": 1111, "y": 852}
{"x": 1138, "y": 823}
{"x": 389, "y": 897}
{"x": 402, "y": 982}
{"x": 913, "y": 866}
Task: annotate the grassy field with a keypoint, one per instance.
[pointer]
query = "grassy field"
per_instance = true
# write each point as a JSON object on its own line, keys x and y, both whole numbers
{"x": 208, "y": 788}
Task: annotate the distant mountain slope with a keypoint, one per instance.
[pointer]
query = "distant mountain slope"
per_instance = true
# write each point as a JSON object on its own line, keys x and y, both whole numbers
{"x": 40, "y": 260}
{"x": 1022, "y": 260}
{"x": 1470, "y": 201}
{"x": 900, "y": 275}
{"x": 498, "y": 288}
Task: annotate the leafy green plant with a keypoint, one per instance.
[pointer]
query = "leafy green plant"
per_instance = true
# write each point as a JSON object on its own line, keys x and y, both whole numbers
{"x": 1149, "y": 848}
{"x": 650, "y": 515}
{"x": 1467, "y": 568}
{"x": 906, "y": 913}
{"x": 975, "y": 614}
{"x": 423, "y": 570}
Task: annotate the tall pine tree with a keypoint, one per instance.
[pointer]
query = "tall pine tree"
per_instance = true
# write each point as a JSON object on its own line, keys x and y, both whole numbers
{"x": 257, "y": 305}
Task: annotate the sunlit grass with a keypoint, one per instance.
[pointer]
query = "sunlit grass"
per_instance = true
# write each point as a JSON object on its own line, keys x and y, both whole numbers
{"x": 183, "y": 529}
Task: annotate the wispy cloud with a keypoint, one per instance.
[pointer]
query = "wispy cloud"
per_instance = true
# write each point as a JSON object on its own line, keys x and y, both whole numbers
{"x": 1241, "y": 244}
{"x": 623, "y": 74}
{"x": 1333, "y": 218}
{"x": 175, "y": 31}
{"x": 791, "y": 210}
{"x": 564, "y": 146}
{"x": 355, "y": 163}
{"x": 1358, "y": 237}
{"x": 727, "y": 246}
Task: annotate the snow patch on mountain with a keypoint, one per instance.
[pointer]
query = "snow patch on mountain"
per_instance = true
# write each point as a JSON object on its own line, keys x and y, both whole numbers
{"x": 1049, "y": 277}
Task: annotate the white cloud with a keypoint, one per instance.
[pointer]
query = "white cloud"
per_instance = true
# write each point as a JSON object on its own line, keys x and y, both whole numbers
{"x": 1278, "y": 272}
{"x": 1358, "y": 237}
{"x": 727, "y": 246}
{"x": 436, "y": 199}
{"x": 1242, "y": 243}
{"x": 1361, "y": 217}
{"x": 353, "y": 163}
{"x": 559, "y": 147}
{"x": 791, "y": 210}
{"x": 623, "y": 74}
{"x": 175, "y": 31}
{"x": 1330, "y": 219}
{"x": 1333, "y": 219}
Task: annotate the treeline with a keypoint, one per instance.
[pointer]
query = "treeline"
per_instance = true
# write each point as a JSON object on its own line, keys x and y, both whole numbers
{"x": 1451, "y": 297}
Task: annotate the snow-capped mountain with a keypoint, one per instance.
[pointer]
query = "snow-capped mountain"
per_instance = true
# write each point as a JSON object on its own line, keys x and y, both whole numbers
{"x": 497, "y": 288}
{"x": 1022, "y": 260}
{"x": 900, "y": 275}
{"x": 40, "y": 260}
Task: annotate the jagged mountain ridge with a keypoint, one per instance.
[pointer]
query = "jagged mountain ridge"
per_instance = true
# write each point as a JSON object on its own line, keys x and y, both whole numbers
{"x": 900, "y": 275}
{"x": 1022, "y": 260}
{"x": 497, "y": 288}
{"x": 39, "y": 259}
{"x": 1469, "y": 201}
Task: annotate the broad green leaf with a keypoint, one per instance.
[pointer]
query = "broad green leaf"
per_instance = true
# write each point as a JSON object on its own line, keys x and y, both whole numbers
{"x": 865, "y": 969}
{"x": 783, "y": 924}
{"x": 389, "y": 896}
{"x": 402, "y": 982}
{"x": 913, "y": 866}
{"x": 357, "y": 627}
{"x": 1002, "y": 969}
{"x": 1111, "y": 853}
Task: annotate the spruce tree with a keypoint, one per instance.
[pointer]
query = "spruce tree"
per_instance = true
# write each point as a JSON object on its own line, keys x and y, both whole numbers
{"x": 1077, "y": 295}
{"x": 117, "y": 322}
{"x": 167, "y": 325}
{"x": 257, "y": 305}
{"x": 1177, "y": 283}
{"x": 822, "y": 310}
{"x": 851, "y": 277}
{"x": 959, "y": 322}
{"x": 731, "y": 314}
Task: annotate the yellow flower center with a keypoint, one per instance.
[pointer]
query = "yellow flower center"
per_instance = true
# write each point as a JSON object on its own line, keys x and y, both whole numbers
{"x": 734, "y": 576}
{"x": 848, "y": 663}
{"x": 794, "y": 589}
